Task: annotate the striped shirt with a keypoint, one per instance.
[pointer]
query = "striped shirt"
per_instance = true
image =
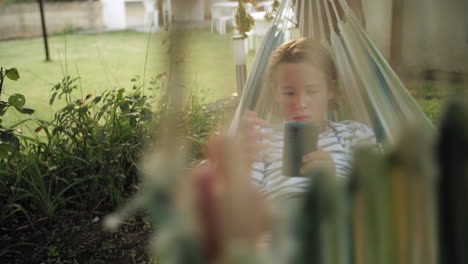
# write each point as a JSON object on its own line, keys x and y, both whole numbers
{"x": 339, "y": 141}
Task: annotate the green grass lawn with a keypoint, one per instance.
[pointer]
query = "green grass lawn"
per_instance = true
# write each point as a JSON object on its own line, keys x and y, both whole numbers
{"x": 110, "y": 60}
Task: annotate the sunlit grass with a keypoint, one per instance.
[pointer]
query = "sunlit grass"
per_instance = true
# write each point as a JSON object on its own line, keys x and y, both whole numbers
{"x": 110, "y": 60}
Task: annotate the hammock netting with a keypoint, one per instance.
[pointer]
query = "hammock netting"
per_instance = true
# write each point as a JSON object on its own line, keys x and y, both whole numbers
{"x": 371, "y": 91}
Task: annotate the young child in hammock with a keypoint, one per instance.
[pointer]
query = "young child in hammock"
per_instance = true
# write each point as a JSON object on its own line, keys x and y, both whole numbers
{"x": 301, "y": 85}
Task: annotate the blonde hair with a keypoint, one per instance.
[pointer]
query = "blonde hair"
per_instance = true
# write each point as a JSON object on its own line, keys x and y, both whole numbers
{"x": 304, "y": 50}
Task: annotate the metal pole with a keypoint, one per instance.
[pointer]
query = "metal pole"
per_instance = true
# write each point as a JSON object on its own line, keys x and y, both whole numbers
{"x": 44, "y": 30}
{"x": 238, "y": 44}
{"x": 241, "y": 76}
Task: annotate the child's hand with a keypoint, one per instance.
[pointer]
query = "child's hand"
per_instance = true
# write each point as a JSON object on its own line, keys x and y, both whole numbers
{"x": 317, "y": 159}
{"x": 251, "y": 136}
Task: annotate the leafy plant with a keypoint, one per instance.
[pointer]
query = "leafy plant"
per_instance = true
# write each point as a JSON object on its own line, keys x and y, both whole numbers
{"x": 86, "y": 157}
{"x": 270, "y": 15}
{"x": 244, "y": 20}
{"x": 9, "y": 142}
{"x": 52, "y": 251}
{"x": 96, "y": 139}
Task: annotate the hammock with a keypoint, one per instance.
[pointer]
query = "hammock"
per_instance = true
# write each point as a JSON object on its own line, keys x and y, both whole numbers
{"x": 374, "y": 95}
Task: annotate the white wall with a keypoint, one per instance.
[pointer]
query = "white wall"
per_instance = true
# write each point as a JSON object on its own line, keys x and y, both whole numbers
{"x": 188, "y": 10}
{"x": 434, "y": 36}
{"x": 378, "y": 15}
{"x": 23, "y": 20}
{"x": 113, "y": 14}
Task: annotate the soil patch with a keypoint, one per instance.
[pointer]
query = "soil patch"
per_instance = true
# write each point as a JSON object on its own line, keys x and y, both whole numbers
{"x": 76, "y": 239}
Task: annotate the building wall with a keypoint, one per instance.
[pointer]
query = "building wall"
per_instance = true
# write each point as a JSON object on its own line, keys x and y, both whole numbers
{"x": 134, "y": 13}
{"x": 431, "y": 35}
{"x": 378, "y": 16}
{"x": 24, "y": 20}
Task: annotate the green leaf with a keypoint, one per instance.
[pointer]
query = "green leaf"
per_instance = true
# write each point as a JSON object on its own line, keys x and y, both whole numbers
{"x": 14, "y": 144}
{"x": 97, "y": 99}
{"x": 4, "y": 150}
{"x": 9, "y": 143}
{"x": 124, "y": 107}
{"x": 3, "y": 107}
{"x": 17, "y": 101}
{"x": 52, "y": 99}
{"x": 57, "y": 130}
{"x": 12, "y": 74}
{"x": 25, "y": 110}
{"x": 83, "y": 110}
{"x": 69, "y": 107}
{"x": 120, "y": 93}
{"x": 56, "y": 87}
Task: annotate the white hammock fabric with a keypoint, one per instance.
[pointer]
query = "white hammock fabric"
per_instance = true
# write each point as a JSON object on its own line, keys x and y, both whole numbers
{"x": 373, "y": 94}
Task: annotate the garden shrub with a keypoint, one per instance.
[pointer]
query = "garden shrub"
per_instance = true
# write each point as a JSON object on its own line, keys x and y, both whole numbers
{"x": 86, "y": 157}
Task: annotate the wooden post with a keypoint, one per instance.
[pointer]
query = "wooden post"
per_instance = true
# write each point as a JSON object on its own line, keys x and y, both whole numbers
{"x": 44, "y": 30}
{"x": 396, "y": 39}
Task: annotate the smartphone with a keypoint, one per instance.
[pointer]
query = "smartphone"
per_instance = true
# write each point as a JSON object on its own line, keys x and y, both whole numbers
{"x": 300, "y": 138}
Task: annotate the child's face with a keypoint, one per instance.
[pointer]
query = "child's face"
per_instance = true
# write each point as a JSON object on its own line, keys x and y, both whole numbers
{"x": 303, "y": 92}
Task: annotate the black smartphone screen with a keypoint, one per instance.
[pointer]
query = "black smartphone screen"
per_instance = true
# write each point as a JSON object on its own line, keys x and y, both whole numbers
{"x": 300, "y": 138}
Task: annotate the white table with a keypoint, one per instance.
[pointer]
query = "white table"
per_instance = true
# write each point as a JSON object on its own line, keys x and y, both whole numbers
{"x": 226, "y": 4}
{"x": 258, "y": 16}
{"x": 265, "y": 5}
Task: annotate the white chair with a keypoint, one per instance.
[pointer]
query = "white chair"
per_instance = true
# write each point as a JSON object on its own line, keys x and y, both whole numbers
{"x": 167, "y": 12}
{"x": 220, "y": 17}
{"x": 151, "y": 13}
{"x": 215, "y": 14}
